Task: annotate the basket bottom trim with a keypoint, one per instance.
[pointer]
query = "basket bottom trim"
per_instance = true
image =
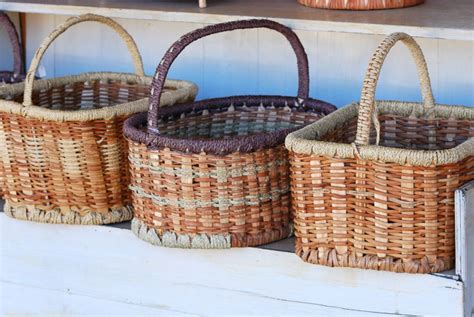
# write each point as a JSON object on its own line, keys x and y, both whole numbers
{"x": 203, "y": 241}
{"x": 329, "y": 257}
{"x": 55, "y": 216}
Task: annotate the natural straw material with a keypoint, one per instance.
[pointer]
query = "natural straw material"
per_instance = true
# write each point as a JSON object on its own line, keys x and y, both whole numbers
{"x": 360, "y": 4}
{"x": 388, "y": 206}
{"x": 9, "y": 77}
{"x": 215, "y": 173}
{"x": 64, "y": 157}
{"x": 17, "y": 75}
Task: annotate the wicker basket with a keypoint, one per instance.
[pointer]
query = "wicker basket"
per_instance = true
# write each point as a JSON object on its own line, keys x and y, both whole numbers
{"x": 9, "y": 77}
{"x": 64, "y": 157}
{"x": 360, "y": 4}
{"x": 388, "y": 206}
{"x": 215, "y": 173}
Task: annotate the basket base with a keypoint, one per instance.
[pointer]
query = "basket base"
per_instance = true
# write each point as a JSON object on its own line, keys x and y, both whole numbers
{"x": 205, "y": 241}
{"x": 360, "y": 4}
{"x": 72, "y": 217}
{"x": 329, "y": 257}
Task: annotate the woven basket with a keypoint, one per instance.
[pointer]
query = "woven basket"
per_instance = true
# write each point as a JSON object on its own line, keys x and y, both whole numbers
{"x": 360, "y": 4}
{"x": 63, "y": 158}
{"x": 9, "y": 77}
{"x": 215, "y": 173}
{"x": 388, "y": 206}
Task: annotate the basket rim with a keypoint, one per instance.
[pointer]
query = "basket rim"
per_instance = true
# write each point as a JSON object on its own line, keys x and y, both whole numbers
{"x": 303, "y": 141}
{"x": 185, "y": 91}
{"x": 238, "y": 144}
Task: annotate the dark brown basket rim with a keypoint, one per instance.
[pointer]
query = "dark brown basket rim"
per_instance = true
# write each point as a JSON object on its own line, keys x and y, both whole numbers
{"x": 240, "y": 144}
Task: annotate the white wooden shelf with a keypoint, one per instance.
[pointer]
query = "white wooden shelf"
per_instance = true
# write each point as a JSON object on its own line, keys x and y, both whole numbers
{"x": 62, "y": 270}
{"x": 439, "y": 19}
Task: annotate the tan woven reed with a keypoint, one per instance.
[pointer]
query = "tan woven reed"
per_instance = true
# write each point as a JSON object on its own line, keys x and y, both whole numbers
{"x": 215, "y": 173}
{"x": 360, "y": 4}
{"x": 64, "y": 157}
{"x": 388, "y": 206}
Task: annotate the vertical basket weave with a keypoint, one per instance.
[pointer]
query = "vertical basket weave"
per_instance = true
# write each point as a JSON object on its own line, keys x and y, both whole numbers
{"x": 215, "y": 173}
{"x": 64, "y": 157}
{"x": 388, "y": 206}
{"x": 360, "y": 4}
{"x": 9, "y": 77}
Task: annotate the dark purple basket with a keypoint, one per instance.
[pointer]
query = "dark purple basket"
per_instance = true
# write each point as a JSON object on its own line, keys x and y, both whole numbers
{"x": 17, "y": 74}
{"x": 244, "y": 144}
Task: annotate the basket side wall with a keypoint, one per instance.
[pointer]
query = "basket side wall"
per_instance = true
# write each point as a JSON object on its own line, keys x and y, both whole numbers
{"x": 244, "y": 196}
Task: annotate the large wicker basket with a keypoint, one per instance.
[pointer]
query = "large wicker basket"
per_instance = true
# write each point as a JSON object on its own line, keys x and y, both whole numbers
{"x": 63, "y": 158}
{"x": 215, "y": 173}
{"x": 360, "y": 4}
{"x": 9, "y": 77}
{"x": 388, "y": 206}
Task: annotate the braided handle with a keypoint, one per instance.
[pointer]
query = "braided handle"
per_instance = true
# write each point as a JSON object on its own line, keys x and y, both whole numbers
{"x": 7, "y": 24}
{"x": 132, "y": 47}
{"x": 366, "y": 107}
{"x": 173, "y": 52}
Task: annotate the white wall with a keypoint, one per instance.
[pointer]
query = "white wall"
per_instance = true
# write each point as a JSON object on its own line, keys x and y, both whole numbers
{"x": 260, "y": 62}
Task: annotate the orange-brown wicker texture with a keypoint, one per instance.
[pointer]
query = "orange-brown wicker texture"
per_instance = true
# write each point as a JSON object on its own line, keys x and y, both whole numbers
{"x": 360, "y": 4}
{"x": 215, "y": 173}
{"x": 64, "y": 157}
{"x": 388, "y": 206}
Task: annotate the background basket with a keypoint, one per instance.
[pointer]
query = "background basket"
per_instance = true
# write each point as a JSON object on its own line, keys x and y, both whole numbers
{"x": 215, "y": 173}
{"x": 16, "y": 75}
{"x": 64, "y": 157}
{"x": 388, "y": 206}
{"x": 360, "y": 4}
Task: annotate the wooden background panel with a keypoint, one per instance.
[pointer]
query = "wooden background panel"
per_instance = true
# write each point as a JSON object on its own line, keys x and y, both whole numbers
{"x": 261, "y": 61}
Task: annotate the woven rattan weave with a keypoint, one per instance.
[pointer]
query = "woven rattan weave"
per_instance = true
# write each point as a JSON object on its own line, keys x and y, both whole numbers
{"x": 64, "y": 157}
{"x": 388, "y": 206}
{"x": 215, "y": 173}
{"x": 360, "y": 4}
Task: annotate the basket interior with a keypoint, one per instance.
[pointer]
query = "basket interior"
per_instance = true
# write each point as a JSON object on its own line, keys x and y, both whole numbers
{"x": 409, "y": 133}
{"x": 93, "y": 94}
{"x": 228, "y": 122}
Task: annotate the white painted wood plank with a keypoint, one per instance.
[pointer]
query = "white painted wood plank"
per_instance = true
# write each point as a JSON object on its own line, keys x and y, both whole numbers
{"x": 261, "y": 62}
{"x": 455, "y": 78}
{"x": 112, "y": 265}
{"x": 435, "y": 19}
{"x": 465, "y": 243}
{"x": 24, "y": 300}
{"x": 230, "y": 64}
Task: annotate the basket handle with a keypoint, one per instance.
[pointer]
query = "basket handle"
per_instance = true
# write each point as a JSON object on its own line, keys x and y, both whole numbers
{"x": 132, "y": 47}
{"x": 175, "y": 49}
{"x": 7, "y": 24}
{"x": 367, "y": 104}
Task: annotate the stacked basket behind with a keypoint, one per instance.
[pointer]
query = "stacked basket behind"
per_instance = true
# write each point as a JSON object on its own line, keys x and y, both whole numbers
{"x": 215, "y": 173}
{"x": 65, "y": 157}
{"x": 388, "y": 206}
